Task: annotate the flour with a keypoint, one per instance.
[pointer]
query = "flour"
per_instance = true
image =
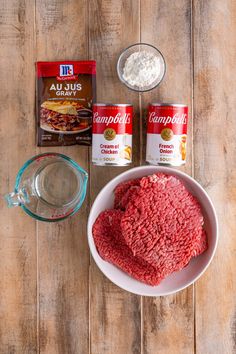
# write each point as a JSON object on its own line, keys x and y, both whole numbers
{"x": 142, "y": 69}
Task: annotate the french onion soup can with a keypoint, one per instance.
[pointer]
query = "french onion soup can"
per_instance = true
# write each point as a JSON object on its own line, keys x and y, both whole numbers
{"x": 112, "y": 134}
{"x": 167, "y": 134}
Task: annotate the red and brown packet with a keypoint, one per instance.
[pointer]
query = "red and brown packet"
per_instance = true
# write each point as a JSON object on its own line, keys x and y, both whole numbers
{"x": 66, "y": 91}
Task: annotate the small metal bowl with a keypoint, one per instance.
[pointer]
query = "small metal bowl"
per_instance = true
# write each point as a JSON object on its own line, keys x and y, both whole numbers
{"x": 139, "y": 47}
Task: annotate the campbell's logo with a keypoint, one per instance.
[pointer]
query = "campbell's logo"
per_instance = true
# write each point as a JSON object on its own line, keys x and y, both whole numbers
{"x": 116, "y": 119}
{"x": 178, "y": 118}
{"x": 66, "y": 70}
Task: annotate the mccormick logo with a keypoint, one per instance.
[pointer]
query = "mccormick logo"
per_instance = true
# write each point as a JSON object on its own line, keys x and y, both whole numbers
{"x": 66, "y": 70}
{"x": 67, "y": 73}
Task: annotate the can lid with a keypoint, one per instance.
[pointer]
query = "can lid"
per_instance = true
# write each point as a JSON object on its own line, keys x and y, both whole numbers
{"x": 113, "y": 104}
{"x": 169, "y": 104}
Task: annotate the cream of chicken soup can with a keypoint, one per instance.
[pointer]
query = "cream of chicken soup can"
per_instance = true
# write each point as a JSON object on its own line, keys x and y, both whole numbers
{"x": 112, "y": 134}
{"x": 167, "y": 134}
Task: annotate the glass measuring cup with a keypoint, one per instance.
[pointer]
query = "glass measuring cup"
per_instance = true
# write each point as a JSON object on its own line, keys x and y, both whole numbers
{"x": 49, "y": 187}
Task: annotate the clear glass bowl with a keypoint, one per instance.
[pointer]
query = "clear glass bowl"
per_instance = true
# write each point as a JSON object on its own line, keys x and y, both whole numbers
{"x": 49, "y": 187}
{"x": 139, "y": 47}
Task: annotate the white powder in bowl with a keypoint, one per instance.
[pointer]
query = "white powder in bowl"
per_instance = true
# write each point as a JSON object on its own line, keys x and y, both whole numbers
{"x": 142, "y": 69}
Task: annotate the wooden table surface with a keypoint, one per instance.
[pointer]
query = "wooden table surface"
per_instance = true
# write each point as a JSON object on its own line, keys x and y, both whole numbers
{"x": 53, "y": 298}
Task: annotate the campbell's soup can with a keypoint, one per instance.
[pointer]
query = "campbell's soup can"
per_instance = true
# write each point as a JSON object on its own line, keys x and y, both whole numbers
{"x": 112, "y": 134}
{"x": 167, "y": 134}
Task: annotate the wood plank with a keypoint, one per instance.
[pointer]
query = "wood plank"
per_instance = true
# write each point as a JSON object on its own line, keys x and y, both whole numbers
{"x": 215, "y": 166}
{"x": 63, "y": 256}
{"x": 114, "y": 314}
{"x": 18, "y": 307}
{"x": 168, "y": 322}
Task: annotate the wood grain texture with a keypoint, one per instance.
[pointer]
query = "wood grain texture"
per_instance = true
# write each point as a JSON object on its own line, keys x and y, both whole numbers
{"x": 167, "y": 25}
{"x": 63, "y": 256}
{"x": 215, "y": 167}
{"x": 18, "y": 325}
{"x": 52, "y": 300}
{"x": 169, "y": 322}
{"x": 114, "y": 314}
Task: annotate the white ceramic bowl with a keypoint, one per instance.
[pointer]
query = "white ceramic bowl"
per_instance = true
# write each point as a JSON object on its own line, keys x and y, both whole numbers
{"x": 178, "y": 280}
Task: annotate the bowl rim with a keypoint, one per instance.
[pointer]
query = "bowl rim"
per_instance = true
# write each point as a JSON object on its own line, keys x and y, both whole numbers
{"x": 174, "y": 172}
{"x": 119, "y": 59}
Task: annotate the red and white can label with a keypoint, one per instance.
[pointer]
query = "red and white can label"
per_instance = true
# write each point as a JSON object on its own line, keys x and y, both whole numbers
{"x": 112, "y": 134}
{"x": 167, "y": 134}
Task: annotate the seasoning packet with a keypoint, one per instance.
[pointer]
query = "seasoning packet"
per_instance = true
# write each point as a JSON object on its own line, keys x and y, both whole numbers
{"x": 66, "y": 91}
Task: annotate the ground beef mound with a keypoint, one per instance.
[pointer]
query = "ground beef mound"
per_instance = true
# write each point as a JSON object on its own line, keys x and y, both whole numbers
{"x": 154, "y": 230}
{"x": 201, "y": 245}
{"x": 163, "y": 224}
{"x": 111, "y": 246}
{"x": 123, "y": 192}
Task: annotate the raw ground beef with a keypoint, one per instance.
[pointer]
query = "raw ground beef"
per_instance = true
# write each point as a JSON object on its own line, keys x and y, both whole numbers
{"x": 129, "y": 194}
{"x": 112, "y": 248}
{"x": 154, "y": 230}
{"x": 163, "y": 223}
{"x": 121, "y": 190}
{"x": 201, "y": 244}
